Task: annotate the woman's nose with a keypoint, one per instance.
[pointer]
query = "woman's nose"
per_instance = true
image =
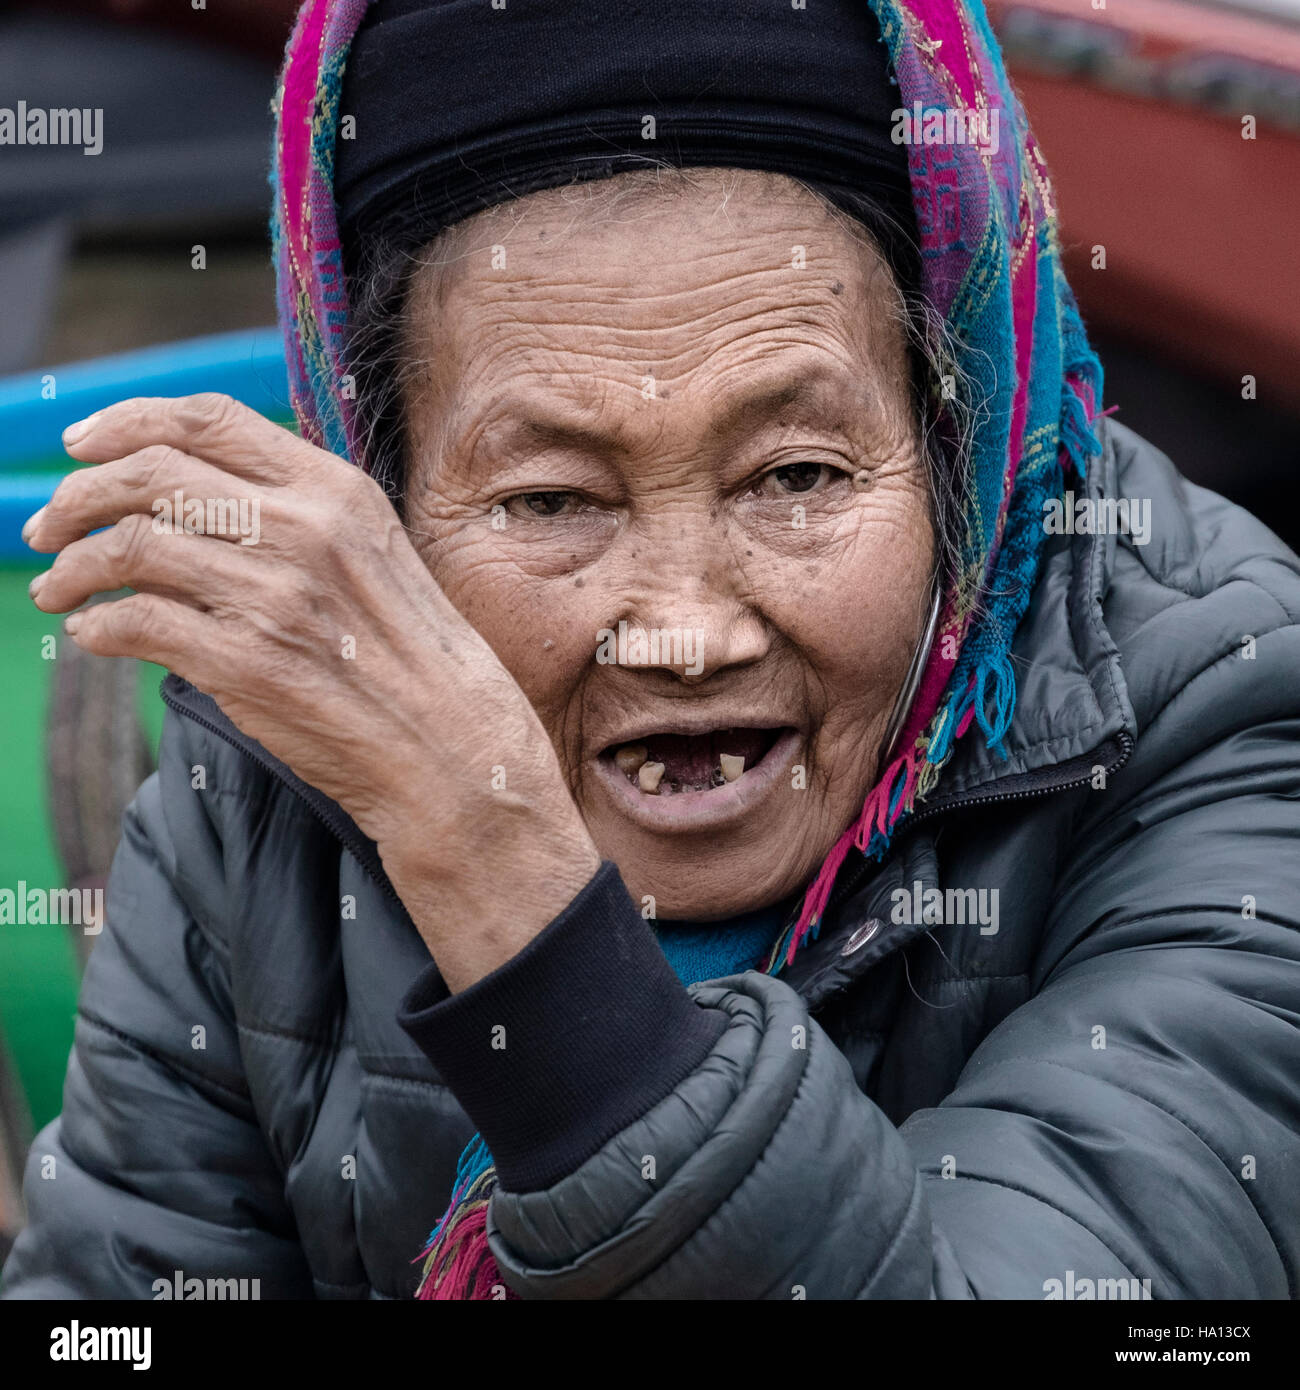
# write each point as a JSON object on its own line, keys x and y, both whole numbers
{"x": 689, "y": 617}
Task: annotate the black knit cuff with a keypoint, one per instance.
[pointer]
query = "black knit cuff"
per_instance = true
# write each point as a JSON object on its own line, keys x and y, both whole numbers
{"x": 568, "y": 1042}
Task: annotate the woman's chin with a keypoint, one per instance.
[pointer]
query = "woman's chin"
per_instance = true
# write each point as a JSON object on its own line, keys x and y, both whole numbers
{"x": 713, "y": 888}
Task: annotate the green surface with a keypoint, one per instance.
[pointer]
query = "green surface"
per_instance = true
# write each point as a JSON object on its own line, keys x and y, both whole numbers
{"x": 38, "y": 968}
{"x": 38, "y": 973}
{"x": 38, "y": 964}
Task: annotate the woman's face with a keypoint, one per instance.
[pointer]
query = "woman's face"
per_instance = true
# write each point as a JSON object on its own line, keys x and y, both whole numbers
{"x": 633, "y": 447}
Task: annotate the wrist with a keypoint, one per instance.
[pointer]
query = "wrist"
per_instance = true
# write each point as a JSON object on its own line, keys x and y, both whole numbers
{"x": 479, "y": 894}
{"x": 599, "y": 1031}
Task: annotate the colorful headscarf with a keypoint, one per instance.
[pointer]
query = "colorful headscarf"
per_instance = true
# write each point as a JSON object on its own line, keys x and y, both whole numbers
{"x": 991, "y": 267}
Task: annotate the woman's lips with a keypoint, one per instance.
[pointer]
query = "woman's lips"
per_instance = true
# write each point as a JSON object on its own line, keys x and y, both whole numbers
{"x": 695, "y": 809}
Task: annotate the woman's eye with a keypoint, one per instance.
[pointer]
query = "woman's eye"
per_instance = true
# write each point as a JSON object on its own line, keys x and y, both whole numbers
{"x": 797, "y": 477}
{"x": 542, "y": 503}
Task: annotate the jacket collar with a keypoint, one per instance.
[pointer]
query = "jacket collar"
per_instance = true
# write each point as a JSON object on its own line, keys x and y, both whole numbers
{"x": 860, "y": 931}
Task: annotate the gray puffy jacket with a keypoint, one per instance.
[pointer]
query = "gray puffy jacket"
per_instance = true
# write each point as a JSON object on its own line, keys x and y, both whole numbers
{"x": 1104, "y": 1088}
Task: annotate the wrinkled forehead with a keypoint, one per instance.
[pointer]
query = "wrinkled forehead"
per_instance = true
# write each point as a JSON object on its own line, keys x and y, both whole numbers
{"x": 732, "y": 288}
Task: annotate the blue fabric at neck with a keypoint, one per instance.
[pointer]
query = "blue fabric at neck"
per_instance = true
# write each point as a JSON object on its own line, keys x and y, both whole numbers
{"x": 710, "y": 950}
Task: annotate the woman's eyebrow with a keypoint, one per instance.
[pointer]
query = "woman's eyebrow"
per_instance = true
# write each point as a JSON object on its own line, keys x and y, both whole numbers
{"x": 523, "y": 424}
{"x": 812, "y": 394}
{"x": 818, "y": 395}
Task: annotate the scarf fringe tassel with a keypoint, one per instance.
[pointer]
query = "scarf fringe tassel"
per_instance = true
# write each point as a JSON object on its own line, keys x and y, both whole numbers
{"x": 458, "y": 1262}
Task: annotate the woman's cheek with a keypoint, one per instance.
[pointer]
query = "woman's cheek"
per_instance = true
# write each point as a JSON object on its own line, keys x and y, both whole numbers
{"x": 848, "y": 591}
{"x": 536, "y": 613}
{"x": 843, "y": 554}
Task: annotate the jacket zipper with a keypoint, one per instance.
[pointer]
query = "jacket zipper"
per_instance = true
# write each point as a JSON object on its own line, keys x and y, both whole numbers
{"x": 848, "y": 886}
{"x": 320, "y": 805}
{"x": 1124, "y": 739}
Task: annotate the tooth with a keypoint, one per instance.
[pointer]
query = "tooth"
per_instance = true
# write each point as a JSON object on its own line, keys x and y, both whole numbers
{"x": 732, "y": 766}
{"x": 630, "y": 757}
{"x": 649, "y": 775}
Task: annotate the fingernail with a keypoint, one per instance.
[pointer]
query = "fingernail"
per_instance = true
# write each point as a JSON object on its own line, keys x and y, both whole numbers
{"x": 71, "y": 623}
{"x": 35, "y": 586}
{"x": 80, "y": 428}
{"x": 32, "y": 522}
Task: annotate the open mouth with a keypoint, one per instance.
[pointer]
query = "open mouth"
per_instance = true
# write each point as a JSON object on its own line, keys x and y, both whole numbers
{"x": 668, "y": 763}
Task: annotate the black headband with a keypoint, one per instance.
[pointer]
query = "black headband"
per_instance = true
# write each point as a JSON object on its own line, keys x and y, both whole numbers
{"x": 458, "y": 106}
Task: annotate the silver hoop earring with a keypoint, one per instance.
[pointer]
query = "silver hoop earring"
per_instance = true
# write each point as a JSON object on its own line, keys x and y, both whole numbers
{"x": 903, "y": 705}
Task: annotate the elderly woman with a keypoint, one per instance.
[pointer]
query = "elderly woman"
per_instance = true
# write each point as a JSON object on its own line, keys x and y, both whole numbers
{"x": 699, "y": 789}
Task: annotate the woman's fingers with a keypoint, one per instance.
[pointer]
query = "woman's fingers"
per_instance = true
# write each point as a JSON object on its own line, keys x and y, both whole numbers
{"x": 204, "y": 572}
{"x": 153, "y": 628}
{"x": 177, "y": 490}
{"x": 213, "y": 427}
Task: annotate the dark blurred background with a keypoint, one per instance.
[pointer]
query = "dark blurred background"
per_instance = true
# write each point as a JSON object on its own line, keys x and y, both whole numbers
{"x": 1180, "y": 238}
{"x": 95, "y": 251}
